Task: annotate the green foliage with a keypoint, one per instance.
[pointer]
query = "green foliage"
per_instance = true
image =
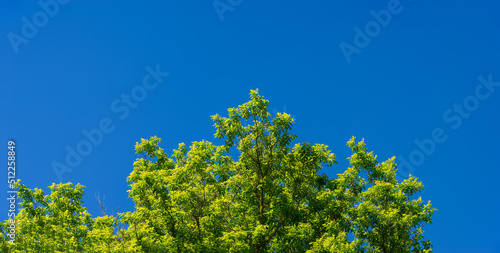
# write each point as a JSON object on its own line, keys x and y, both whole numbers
{"x": 271, "y": 199}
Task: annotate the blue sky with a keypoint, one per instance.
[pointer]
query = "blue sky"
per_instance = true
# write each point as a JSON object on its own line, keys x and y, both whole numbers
{"x": 416, "y": 79}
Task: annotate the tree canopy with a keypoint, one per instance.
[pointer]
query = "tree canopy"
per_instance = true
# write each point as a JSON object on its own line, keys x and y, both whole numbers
{"x": 270, "y": 198}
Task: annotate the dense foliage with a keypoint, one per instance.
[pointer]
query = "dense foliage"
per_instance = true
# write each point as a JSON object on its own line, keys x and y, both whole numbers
{"x": 271, "y": 199}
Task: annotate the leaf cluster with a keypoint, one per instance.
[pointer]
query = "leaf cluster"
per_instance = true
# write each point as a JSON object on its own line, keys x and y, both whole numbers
{"x": 272, "y": 198}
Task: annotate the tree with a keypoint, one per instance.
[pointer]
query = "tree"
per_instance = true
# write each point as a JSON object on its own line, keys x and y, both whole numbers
{"x": 271, "y": 198}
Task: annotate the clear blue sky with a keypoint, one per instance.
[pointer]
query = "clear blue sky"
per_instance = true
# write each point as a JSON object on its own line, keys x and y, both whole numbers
{"x": 341, "y": 69}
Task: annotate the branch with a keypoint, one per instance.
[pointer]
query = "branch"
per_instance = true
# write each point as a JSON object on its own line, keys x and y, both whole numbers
{"x": 101, "y": 204}
{"x": 280, "y": 224}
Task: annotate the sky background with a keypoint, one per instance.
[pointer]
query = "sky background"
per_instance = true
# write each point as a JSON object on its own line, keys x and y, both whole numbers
{"x": 403, "y": 84}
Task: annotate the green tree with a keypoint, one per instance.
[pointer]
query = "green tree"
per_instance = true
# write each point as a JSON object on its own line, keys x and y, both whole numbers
{"x": 271, "y": 198}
